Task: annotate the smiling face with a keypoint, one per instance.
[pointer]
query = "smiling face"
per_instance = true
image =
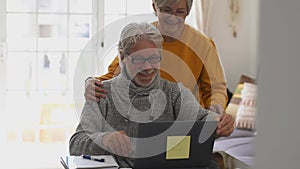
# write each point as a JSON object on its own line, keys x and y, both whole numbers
{"x": 142, "y": 74}
{"x": 171, "y": 18}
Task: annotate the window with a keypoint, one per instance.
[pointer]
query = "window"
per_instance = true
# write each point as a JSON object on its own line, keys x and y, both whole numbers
{"x": 44, "y": 40}
{"x": 117, "y": 13}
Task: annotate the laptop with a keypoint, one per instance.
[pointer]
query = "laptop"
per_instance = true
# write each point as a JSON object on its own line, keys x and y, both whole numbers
{"x": 179, "y": 144}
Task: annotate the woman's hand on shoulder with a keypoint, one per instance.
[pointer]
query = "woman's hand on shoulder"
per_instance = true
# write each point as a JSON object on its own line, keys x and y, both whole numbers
{"x": 94, "y": 90}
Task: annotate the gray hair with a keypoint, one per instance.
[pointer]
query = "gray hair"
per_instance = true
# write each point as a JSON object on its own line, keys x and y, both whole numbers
{"x": 189, "y": 3}
{"x": 134, "y": 32}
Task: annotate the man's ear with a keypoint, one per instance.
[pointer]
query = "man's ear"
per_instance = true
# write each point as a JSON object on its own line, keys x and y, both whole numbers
{"x": 154, "y": 8}
{"x": 121, "y": 58}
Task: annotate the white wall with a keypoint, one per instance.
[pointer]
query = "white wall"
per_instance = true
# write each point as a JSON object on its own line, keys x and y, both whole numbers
{"x": 238, "y": 55}
{"x": 2, "y": 65}
{"x": 279, "y": 85}
{"x": 2, "y": 54}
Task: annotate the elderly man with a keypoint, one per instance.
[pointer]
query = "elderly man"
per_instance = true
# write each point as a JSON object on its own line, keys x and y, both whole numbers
{"x": 136, "y": 95}
{"x": 198, "y": 68}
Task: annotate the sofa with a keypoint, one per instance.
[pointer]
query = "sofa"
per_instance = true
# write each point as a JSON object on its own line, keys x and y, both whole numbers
{"x": 237, "y": 150}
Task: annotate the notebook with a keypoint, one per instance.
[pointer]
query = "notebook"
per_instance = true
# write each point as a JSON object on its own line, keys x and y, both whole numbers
{"x": 78, "y": 162}
{"x": 183, "y": 144}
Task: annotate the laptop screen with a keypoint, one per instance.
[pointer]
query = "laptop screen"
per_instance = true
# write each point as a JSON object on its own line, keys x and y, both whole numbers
{"x": 178, "y": 144}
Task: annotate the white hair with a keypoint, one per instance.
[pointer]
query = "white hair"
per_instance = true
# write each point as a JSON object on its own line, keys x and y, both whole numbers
{"x": 134, "y": 32}
{"x": 189, "y": 3}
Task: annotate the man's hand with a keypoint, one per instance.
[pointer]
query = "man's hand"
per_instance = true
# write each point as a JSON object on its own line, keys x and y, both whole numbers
{"x": 94, "y": 90}
{"x": 225, "y": 125}
{"x": 226, "y": 122}
{"x": 118, "y": 142}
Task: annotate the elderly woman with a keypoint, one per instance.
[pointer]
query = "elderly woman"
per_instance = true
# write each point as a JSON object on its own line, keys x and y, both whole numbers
{"x": 137, "y": 95}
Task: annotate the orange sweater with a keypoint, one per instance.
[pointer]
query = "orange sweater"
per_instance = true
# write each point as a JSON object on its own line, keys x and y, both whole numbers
{"x": 193, "y": 61}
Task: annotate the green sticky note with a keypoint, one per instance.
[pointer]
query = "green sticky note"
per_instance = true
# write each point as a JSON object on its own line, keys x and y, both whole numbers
{"x": 178, "y": 147}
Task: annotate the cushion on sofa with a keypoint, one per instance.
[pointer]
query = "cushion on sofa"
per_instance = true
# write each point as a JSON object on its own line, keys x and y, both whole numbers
{"x": 242, "y": 105}
{"x": 245, "y": 116}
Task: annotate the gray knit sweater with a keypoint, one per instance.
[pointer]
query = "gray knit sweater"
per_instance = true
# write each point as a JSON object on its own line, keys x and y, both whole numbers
{"x": 126, "y": 105}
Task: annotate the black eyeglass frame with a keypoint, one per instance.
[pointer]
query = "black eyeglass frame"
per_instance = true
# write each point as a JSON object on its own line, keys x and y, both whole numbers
{"x": 178, "y": 12}
{"x": 141, "y": 60}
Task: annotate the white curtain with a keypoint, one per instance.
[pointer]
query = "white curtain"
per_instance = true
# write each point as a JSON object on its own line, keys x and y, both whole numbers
{"x": 206, "y": 15}
{"x": 200, "y": 15}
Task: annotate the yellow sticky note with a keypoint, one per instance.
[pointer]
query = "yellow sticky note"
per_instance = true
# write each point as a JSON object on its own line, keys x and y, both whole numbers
{"x": 178, "y": 147}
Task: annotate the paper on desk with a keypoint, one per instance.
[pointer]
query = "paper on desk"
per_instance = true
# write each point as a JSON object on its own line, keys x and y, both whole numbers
{"x": 80, "y": 163}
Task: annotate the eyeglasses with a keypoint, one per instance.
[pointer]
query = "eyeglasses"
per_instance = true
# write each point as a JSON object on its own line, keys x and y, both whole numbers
{"x": 141, "y": 60}
{"x": 177, "y": 12}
